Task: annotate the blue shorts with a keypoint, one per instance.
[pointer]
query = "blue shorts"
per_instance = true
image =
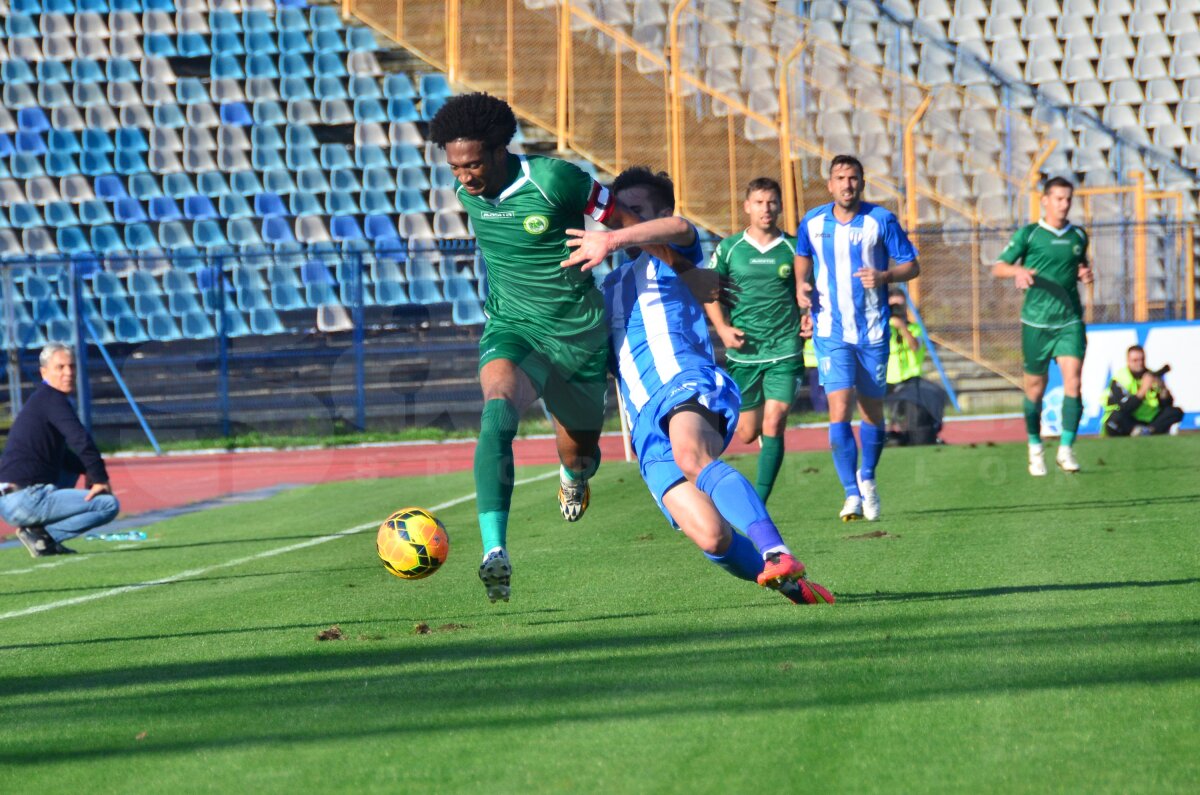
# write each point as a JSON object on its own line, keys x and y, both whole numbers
{"x": 842, "y": 365}
{"x": 712, "y": 388}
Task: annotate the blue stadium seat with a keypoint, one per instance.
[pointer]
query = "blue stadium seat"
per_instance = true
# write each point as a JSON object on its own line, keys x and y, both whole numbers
{"x": 45, "y": 310}
{"x": 361, "y": 39}
{"x": 121, "y": 70}
{"x": 61, "y": 164}
{"x": 279, "y": 180}
{"x": 390, "y": 293}
{"x": 243, "y": 232}
{"x": 370, "y": 157}
{"x": 61, "y": 331}
{"x": 402, "y": 109}
{"x": 178, "y": 185}
{"x": 435, "y": 85}
{"x": 212, "y": 184}
{"x": 260, "y": 42}
{"x": 53, "y": 72}
{"x": 107, "y": 285}
{"x": 94, "y": 212}
{"x": 59, "y": 142}
{"x": 299, "y": 158}
{"x": 228, "y": 43}
{"x": 163, "y": 208}
{"x": 25, "y": 216}
{"x": 292, "y": 89}
{"x": 342, "y": 202}
{"x": 409, "y": 201}
{"x": 197, "y": 326}
{"x": 330, "y": 64}
{"x": 190, "y": 91}
{"x": 269, "y": 112}
{"x": 251, "y": 297}
{"x": 127, "y": 328}
{"x": 182, "y": 303}
{"x": 264, "y": 159}
{"x": 245, "y": 183}
{"x": 430, "y": 106}
{"x": 380, "y": 227}
{"x": 106, "y": 241}
{"x": 161, "y": 326}
{"x": 329, "y": 41}
{"x": 208, "y": 233}
{"x": 234, "y": 205}
{"x": 398, "y": 86}
{"x": 60, "y": 214}
{"x": 174, "y": 235}
{"x": 286, "y": 297}
{"x": 114, "y": 306}
{"x": 325, "y": 18}
{"x": 222, "y": 21}
{"x": 277, "y": 229}
{"x": 86, "y": 70}
{"x": 72, "y": 240}
{"x": 376, "y": 202}
{"x": 290, "y": 19}
{"x": 227, "y": 67}
{"x": 236, "y": 114}
{"x": 17, "y": 72}
{"x": 269, "y": 204}
{"x": 369, "y": 110}
{"x": 330, "y": 88}
{"x": 94, "y": 164}
{"x": 143, "y": 283}
{"x": 425, "y": 291}
{"x": 199, "y": 207}
{"x": 29, "y": 143}
{"x": 140, "y": 238}
{"x": 264, "y": 321}
{"x": 128, "y": 210}
{"x": 468, "y": 312}
{"x": 345, "y": 180}
{"x": 312, "y": 180}
{"x": 261, "y": 65}
{"x": 159, "y": 45}
{"x": 145, "y": 306}
{"x": 170, "y": 117}
{"x": 345, "y": 227}
{"x": 193, "y": 45}
{"x": 294, "y": 41}
{"x": 294, "y": 65}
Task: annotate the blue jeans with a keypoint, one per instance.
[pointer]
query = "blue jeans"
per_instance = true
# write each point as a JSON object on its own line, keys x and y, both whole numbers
{"x": 63, "y": 512}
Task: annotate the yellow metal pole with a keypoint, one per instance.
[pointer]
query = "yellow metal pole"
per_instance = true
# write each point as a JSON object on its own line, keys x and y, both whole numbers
{"x": 564, "y": 55}
{"x": 676, "y": 154}
{"x": 399, "y": 20}
{"x": 731, "y": 139}
{"x": 910, "y": 166}
{"x": 452, "y": 18}
{"x": 976, "y": 341}
{"x": 1034, "y": 176}
{"x": 1141, "y": 303}
{"x": 790, "y": 216}
{"x": 510, "y": 60}
{"x": 618, "y": 116}
{"x": 1189, "y": 263}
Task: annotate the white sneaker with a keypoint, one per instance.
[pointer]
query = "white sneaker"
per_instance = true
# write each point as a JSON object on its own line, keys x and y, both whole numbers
{"x": 852, "y": 510}
{"x": 494, "y": 572}
{"x": 870, "y": 498}
{"x": 1066, "y": 459}
{"x": 1037, "y": 461}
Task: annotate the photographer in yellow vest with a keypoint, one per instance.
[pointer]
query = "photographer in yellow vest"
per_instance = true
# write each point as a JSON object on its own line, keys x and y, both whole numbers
{"x": 1139, "y": 402}
{"x": 907, "y": 354}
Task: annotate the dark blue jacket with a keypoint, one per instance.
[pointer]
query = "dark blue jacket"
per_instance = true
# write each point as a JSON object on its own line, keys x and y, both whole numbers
{"x": 48, "y": 439}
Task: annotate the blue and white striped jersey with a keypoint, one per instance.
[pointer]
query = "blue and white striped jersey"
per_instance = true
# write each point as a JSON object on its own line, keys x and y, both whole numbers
{"x": 657, "y": 328}
{"x": 842, "y": 308}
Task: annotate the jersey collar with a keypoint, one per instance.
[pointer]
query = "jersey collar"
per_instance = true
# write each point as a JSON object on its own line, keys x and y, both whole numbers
{"x": 515, "y": 186}
{"x": 761, "y": 249}
{"x": 1056, "y": 232}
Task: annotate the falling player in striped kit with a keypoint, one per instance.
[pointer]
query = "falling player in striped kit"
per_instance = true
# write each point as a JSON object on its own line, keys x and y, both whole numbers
{"x": 846, "y": 246}
{"x": 682, "y": 408}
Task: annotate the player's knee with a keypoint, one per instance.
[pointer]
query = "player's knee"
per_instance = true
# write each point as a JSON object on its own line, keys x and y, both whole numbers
{"x": 747, "y": 432}
{"x": 692, "y": 461}
{"x": 710, "y": 535}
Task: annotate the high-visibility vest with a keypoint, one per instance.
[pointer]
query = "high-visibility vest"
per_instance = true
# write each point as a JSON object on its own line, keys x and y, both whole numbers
{"x": 903, "y": 362}
{"x": 1150, "y": 404}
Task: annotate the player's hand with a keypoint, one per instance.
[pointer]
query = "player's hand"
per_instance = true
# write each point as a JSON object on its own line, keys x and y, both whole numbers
{"x": 1024, "y": 278}
{"x": 871, "y": 278}
{"x": 592, "y": 246}
{"x": 97, "y": 488}
{"x": 733, "y": 337}
{"x": 806, "y": 326}
{"x": 1086, "y": 275}
{"x": 895, "y": 323}
{"x": 804, "y": 295}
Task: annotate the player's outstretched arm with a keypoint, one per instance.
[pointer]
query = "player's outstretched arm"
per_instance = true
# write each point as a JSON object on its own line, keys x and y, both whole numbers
{"x": 731, "y": 335}
{"x": 626, "y": 230}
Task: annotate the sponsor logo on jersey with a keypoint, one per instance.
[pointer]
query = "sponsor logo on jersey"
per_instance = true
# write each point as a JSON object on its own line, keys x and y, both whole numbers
{"x": 1060, "y": 242}
{"x": 1078, "y": 249}
{"x": 785, "y": 271}
{"x": 536, "y": 224}
{"x": 497, "y": 214}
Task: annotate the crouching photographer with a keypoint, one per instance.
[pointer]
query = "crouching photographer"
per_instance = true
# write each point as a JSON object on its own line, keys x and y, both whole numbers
{"x": 1139, "y": 402}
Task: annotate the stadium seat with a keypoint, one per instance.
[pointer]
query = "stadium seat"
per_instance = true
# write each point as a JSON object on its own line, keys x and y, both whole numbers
{"x": 161, "y": 326}
{"x": 264, "y": 321}
{"x": 196, "y": 326}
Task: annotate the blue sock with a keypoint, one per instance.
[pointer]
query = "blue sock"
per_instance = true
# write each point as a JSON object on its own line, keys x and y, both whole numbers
{"x": 845, "y": 455}
{"x": 873, "y": 438}
{"x": 741, "y": 559}
{"x": 741, "y": 506}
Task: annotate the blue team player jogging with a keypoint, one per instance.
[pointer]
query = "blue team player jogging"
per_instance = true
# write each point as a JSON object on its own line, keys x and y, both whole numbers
{"x": 682, "y": 408}
{"x": 845, "y": 248}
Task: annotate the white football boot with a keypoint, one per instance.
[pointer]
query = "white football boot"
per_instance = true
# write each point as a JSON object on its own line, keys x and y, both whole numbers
{"x": 852, "y": 510}
{"x": 1065, "y": 458}
{"x": 495, "y": 572}
{"x": 1037, "y": 461}
{"x": 870, "y": 498}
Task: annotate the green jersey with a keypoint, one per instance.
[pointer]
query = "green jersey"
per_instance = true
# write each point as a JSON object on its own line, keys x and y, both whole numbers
{"x": 1056, "y": 255}
{"x": 766, "y": 308}
{"x": 522, "y": 234}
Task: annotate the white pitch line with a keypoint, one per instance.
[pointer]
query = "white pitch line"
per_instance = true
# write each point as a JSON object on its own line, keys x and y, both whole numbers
{"x": 270, "y": 553}
{"x": 51, "y": 565}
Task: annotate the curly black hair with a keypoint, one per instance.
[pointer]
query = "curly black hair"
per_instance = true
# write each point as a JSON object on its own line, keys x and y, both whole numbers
{"x": 662, "y": 190}
{"x": 474, "y": 117}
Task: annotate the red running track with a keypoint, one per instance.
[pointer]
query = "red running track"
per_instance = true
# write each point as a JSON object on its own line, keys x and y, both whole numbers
{"x": 152, "y": 483}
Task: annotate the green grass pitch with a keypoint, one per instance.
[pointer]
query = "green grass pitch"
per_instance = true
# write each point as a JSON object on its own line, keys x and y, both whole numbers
{"x": 1005, "y": 635}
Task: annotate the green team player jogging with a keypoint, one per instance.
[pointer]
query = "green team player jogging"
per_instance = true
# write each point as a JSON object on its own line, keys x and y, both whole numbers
{"x": 763, "y": 348}
{"x": 546, "y": 334}
{"x": 1053, "y": 257}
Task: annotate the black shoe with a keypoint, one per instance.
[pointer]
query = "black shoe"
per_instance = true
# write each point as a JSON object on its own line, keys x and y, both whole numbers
{"x": 37, "y": 541}
{"x": 59, "y": 549}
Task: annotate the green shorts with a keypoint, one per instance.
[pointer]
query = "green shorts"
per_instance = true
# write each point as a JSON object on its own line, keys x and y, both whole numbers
{"x": 762, "y": 381}
{"x": 569, "y": 373}
{"x": 1040, "y": 345}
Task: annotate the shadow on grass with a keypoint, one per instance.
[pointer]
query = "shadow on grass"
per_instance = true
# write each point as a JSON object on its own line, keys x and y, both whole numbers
{"x": 1007, "y": 590}
{"x": 1127, "y": 502}
{"x": 184, "y": 582}
{"x": 489, "y": 685}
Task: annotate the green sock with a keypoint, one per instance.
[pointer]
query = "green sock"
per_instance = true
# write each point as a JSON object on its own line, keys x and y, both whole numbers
{"x": 590, "y": 466}
{"x": 1072, "y": 411}
{"x": 1033, "y": 420}
{"x": 769, "y": 461}
{"x": 494, "y": 471}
